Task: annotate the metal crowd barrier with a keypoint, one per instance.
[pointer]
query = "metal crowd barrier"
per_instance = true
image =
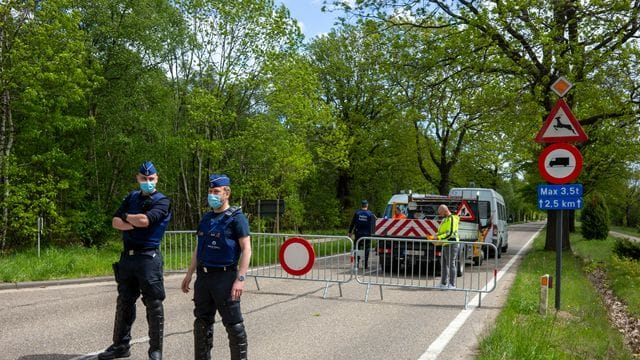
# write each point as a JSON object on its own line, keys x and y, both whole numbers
{"x": 332, "y": 258}
{"x": 398, "y": 262}
{"x": 177, "y": 248}
{"x": 393, "y": 262}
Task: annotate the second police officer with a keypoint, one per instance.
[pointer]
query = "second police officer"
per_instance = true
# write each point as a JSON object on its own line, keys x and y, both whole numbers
{"x": 363, "y": 223}
{"x": 221, "y": 261}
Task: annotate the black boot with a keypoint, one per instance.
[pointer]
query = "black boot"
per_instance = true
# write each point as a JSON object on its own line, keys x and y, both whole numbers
{"x": 202, "y": 339}
{"x": 237, "y": 341}
{"x": 115, "y": 352}
{"x": 125, "y": 316}
{"x": 155, "y": 319}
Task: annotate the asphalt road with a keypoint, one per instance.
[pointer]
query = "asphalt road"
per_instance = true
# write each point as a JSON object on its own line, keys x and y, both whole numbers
{"x": 285, "y": 319}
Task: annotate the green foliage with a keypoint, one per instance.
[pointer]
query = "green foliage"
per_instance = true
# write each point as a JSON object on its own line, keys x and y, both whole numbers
{"x": 624, "y": 277}
{"x": 623, "y": 274}
{"x": 92, "y": 226}
{"x": 625, "y": 248}
{"x": 595, "y": 218}
{"x": 92, "y": 88}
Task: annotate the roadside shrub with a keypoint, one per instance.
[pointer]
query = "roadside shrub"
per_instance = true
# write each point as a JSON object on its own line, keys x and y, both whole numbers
{"x": 595, "y": 218}
{"x": 625, "y": 248}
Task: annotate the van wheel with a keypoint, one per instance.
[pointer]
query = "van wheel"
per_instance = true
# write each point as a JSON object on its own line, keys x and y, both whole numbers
{"x": 499, "y": 249}
{"x": 505, "y": 248}
{"x": 492, "y": 253}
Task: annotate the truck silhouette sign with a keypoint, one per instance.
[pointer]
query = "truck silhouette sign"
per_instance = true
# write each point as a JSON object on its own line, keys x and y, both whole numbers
{"x": 559, "y": 161}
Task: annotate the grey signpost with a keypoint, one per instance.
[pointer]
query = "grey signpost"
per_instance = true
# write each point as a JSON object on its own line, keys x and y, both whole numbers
{"x": 560, "y": 164}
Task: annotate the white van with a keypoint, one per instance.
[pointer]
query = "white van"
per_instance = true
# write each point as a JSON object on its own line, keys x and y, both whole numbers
{"x": 492, "y": 213}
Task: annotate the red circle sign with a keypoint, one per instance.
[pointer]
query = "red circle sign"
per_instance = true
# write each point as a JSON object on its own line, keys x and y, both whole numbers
{"x": 297, "y": 256}
{"x": 560, "y": 163}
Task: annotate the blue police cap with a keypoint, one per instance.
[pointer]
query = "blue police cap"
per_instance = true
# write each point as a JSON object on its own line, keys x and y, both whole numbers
{"x": 216, "y": 180}
{"x": 147, "y": 169}
{"x": 364, "y": 202}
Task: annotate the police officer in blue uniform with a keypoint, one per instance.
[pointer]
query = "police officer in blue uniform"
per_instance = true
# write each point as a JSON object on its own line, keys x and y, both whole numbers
{"x": 363, "y": 222}
{"x": 221, "y": 260}
{"x": 142, "y": 217}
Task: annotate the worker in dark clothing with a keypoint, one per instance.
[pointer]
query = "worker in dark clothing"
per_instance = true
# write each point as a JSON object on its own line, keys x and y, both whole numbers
{"x": 142, "y": 218}
{"x": 221, "y": 261}
{"x": 363, "y": 223}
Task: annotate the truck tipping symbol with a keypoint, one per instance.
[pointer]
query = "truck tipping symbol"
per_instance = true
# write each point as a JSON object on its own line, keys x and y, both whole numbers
{"x": 559, "y": 161}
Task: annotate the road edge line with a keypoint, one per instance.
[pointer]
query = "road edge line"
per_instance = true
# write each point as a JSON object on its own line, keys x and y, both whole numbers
{"x": 439, "y": 344}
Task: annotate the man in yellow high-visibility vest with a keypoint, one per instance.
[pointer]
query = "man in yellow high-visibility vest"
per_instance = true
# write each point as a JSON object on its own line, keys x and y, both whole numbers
{"x": 448, "y": 232}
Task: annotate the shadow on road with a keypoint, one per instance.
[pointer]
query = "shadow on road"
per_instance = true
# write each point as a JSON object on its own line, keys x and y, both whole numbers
{"x": 56, "y": 357}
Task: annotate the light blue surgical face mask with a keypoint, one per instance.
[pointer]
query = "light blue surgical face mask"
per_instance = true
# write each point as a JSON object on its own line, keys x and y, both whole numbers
{"x": 147, "y": 187}
{"x": 214, "y": 201}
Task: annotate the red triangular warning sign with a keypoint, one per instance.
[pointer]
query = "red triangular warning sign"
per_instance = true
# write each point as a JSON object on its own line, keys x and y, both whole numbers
{"x": 465, "y": 213}
{"x": 561, "y": 126}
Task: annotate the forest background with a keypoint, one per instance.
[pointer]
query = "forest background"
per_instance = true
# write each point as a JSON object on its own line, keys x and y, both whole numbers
{"x": 402, "y": 95}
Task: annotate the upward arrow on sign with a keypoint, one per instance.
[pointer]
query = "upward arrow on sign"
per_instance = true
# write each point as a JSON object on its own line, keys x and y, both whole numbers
{"x": 561, "y": 126}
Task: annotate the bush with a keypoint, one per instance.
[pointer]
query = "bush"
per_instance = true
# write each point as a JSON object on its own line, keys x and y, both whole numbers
{"x": 595, "y": 218}
{"x": 625, "y": 248}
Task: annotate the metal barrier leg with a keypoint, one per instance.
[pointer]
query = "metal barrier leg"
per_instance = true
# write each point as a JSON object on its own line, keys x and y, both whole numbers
{"x": 466, "y": 296}
{"x": 326, "y": 288}
{"x": 257, "y": 285}
{"x": 366, "y": 294}
{"x": 381, "y": 293}
{"x": 479, "y": 299}
{"x": 340, "y": 287}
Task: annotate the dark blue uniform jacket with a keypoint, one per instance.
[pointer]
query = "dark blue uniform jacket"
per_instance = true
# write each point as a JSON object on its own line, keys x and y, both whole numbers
{"x": 157, "y": 207}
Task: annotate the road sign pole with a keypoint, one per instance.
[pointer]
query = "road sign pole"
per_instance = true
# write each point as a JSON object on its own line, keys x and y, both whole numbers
{"x": 560, "y": 222}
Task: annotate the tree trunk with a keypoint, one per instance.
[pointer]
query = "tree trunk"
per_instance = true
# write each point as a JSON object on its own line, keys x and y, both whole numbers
{"x": 552, "y": 223}
{"x": 443, "y": 185}
{"x": 6, "y": 143}
{"x": 343, "y": 190}
{"x": 185, "y": 189}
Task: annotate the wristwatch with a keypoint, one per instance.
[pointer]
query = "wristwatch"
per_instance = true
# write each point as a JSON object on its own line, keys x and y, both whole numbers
{"x": 241, "y": 278}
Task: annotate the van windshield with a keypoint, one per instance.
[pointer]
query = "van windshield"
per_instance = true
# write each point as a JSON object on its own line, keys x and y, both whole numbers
{"x": 387, "y": 212}
{"x": 484, "y": 212}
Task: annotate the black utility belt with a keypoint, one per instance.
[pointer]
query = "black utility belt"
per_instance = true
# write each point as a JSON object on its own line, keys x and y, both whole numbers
{"x": 148, "y": 251}
{"x": 212, "y": 269}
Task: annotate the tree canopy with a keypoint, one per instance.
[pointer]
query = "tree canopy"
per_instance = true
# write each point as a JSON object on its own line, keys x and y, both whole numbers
{"x": 407, "y": 95}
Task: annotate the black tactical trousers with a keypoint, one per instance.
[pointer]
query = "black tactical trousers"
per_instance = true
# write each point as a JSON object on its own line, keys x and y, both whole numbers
{"x": 212, "y": 292}
{"x": 140, "y": 273}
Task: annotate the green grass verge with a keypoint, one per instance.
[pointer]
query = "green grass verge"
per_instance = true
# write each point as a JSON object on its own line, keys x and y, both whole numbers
{"x": 54, "y": 263}
{"x": 79, "y": 262}
{"x": 623, "y": 275}
{"x": 580, "y": 330}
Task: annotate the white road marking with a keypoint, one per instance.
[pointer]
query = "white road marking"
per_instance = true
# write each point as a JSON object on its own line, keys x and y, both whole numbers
{"x": 91, "y": 355}
{"x": 439, "y": 344}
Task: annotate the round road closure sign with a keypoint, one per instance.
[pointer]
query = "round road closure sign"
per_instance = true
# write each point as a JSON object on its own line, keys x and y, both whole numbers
{"x": 297, "y": 256}
{"x": 560, "y": 163}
